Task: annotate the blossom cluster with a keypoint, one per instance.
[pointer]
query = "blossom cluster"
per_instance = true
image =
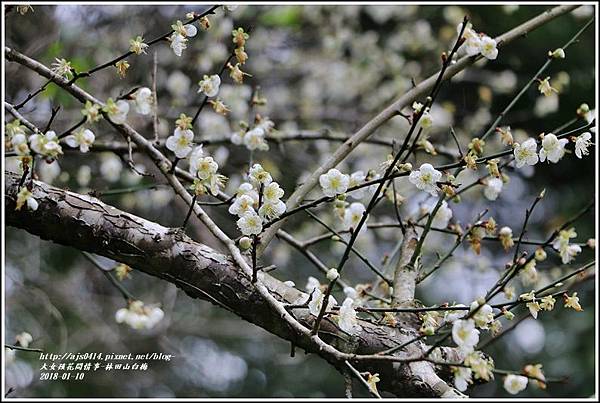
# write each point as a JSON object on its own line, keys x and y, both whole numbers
{"x": 255, "y": 138}
{"x": 257, "y": 201}
{"x": 562, "y": 245}
{"x": 203, "y": 168}
{"x": 478, "y": 43}
{"x": 139, "y": 316}
{"x": 335, "y": 184}
{"x": 346, "y": 317}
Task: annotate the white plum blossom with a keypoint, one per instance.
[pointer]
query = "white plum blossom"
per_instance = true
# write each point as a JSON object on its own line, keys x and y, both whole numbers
{"x": 484, "y": 315}
{"x": 452, "y": 316}
{"x": 250, "y": 223}
{"x": 83, "y": 138}
{"x": 207, "y": 167}
{"x": 195, "y": 156}
{"x": 472, "y": 45}
{"x": 143, "y": 100}
{"x": 526, "y": 153}
{"x": 26, "y": 197}
{"x": 24, "y": 339}
{"x": 116, "y": 111}
{"x": 529, "y": 274}
{"x": 476, "y": 44}
{"x": 334, "y": 182}
{"x": 178, "y": 43}
{"x": 273, "y": 192}
{"x": 180, "y": 142}
{"x": 258, "y": 175}
{"x": 545, "y": 88}
{"x": 488, "y": 48}
{"x": 255, "y": 139}
{"x": 582, "y": 143}
{"x": 247, "y": 189}
{"x": 357, "y": 178}
{"x": 139, "y": 316}
{"x": 493, "y": 188}
{"x": 514, "y": 384}
{"x": 266, "y": 124}
{"x": 313, "y": 287}
{"x": 481, "y": 365}
{"x": 465, "y": 335}
{"x": 426, "y": 120}
{"x": 272, "y": 209}
{"x": 561, "y": 244}
{"x": 209, "y": 85}
{"x": 426, "y": 178}
{"x": 19, "y": 143}
{"x": 243, "y": 204}
{"x": 179, "y": 37}
{"x": 347, "y": 320}
{"x": 442, "y": 216}
{"x": 553, "y": 148}
{"x": 353, "y": 215}
{"x": 462, "y": 377}
{"x": 316, "y": 303}
{"x": 45, "y": 144}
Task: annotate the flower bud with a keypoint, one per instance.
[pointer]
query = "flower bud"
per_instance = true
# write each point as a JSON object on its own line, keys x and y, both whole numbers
{"x": 405, "y": 167}
{"x": 245, "y": 243}
{"x": 509, "y": 315}
{"x": 583, "y": 110}
{"x": 540, "y": 254}
{"x": 332, "y": 274}
{"x": 505, "y": 236}
{"x": 557, "y": 53}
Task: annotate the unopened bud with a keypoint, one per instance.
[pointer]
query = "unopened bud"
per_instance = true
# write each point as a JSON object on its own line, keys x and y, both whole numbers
{"x": 542, "y": 194}
{"x": 245, "y": 243}
{"x": 332, "y": 274}
{"x": 557, "y": 53}
{"x": 405, "y": 167}
{"x": 540, "y": 254}
{"x": 583, "y": 110}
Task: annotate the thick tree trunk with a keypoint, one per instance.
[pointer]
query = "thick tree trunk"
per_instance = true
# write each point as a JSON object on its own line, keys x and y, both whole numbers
{"x": 90, "y": 225}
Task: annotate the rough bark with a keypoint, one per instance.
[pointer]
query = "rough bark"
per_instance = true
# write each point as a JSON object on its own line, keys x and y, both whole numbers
{"x": 88, "y": 224}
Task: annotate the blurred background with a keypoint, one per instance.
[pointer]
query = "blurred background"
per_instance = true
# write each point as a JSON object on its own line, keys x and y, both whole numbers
{"x": 320, "y": 68}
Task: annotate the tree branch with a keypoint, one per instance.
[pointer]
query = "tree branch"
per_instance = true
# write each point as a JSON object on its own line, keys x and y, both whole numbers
{"x": 90, "y": 225}
{"x": 392, "y": 110}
